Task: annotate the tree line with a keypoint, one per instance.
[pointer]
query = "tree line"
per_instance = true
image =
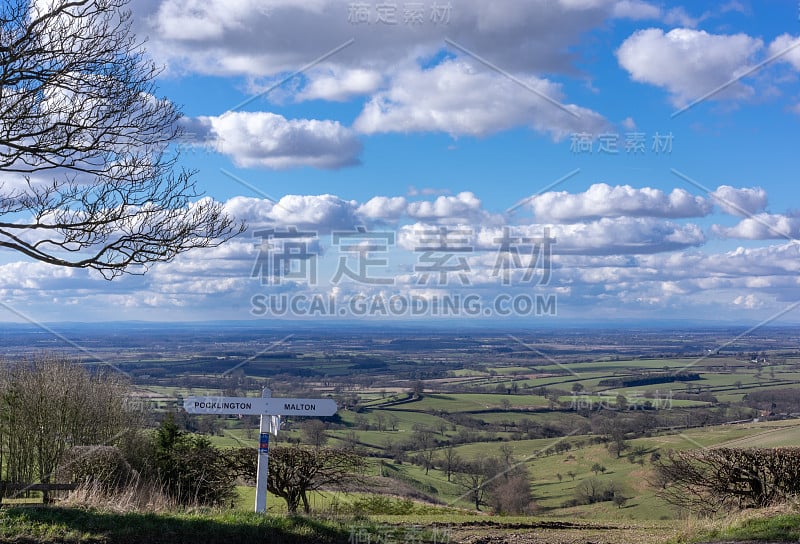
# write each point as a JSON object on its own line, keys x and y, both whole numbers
{"x": 47, "y": 406}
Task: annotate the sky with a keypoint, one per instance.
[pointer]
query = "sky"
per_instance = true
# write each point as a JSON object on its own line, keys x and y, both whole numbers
{"x": 540, "y": 161}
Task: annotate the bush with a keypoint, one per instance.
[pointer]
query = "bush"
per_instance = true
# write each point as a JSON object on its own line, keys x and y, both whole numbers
{"x": 729, "y": 478}
{"x": 594, "y": 490}
{"x": 189, "y": 469}
{"x": 512, "y": 496}
{"x": 101, "y": 466}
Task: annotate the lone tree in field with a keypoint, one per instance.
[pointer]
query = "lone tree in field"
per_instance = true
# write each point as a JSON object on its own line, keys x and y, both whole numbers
{"x": 474, "y": 477}
{"x": 295, "y": 471}
{"x": 314, "y": 432}
{"x": 87, "y": 178}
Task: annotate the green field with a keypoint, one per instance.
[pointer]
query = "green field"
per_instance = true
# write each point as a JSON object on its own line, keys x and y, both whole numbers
{"x": 551, "y": 414}
{"x": 550, "y": 492}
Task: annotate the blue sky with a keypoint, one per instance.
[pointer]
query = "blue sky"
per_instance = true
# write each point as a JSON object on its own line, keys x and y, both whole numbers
{"x": 468, "y": 119}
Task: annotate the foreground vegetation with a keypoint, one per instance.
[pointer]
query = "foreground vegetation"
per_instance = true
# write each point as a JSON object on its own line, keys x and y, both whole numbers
{"x": 60, "y": 524}
{"x": 773, "y": 528}
{"x": 64, "y": 524}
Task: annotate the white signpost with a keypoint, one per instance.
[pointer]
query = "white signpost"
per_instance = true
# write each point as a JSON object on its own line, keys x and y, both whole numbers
{"x": 270, "y": 409}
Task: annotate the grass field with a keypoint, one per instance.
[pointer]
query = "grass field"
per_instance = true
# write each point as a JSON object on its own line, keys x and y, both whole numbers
{"x": 51, "y": 525}
{"x": 544, "y": 466}
{"x": 550, "y": 492}
{"x": 44, "y": 525}
{"x": 495, "y": 403}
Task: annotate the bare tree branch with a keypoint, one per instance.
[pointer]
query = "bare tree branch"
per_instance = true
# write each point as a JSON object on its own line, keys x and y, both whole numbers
{"x": 90, "y": 178}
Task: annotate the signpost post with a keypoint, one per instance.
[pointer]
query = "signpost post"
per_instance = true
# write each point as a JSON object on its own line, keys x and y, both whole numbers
{"x": 270, "y": 409}
{"x": 262, "y": 471}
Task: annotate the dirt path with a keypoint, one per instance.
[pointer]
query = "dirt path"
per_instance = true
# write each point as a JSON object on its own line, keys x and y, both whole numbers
{"x": 489, "y": 532}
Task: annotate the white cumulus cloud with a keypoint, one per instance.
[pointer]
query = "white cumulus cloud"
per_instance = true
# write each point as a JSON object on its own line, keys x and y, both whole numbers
{"x": 322, "y": 213}
{"x": 787, "y": 49}
{"x": 459, "y": 99}
{"x": 268, "y": 140}
{"x": 740, "y": 201}
{"x": 603, "y": 200}
{"x": 690, "y": 63}
{"x": 762, "y": 226}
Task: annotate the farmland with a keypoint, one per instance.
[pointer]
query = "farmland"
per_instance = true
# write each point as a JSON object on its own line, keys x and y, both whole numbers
{"x": 544, "y": 396}
{"x": 568, "y": 407}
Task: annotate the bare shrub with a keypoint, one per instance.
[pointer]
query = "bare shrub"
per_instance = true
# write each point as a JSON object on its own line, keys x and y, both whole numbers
{"x": 708, "y": 480}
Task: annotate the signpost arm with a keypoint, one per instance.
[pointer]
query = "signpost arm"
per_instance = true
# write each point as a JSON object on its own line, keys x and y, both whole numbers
{"x": 263, "y": 459}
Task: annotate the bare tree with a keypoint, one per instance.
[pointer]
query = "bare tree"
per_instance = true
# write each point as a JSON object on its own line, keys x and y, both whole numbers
{"x": 294, "y": 471}
{"x": 350, "y": 440}
{"x": 425, "y": 443}
{"x": 511, "y": 495}
{"x": 592, "y": 490}
{"x": 616, "y": 429}
{"x": 450, "y": 461}
{"x": 314, "y": 432}
{"x": 474, "y": 476}
{"x": 507, "y": 456}
{"x": 89, "y": 176}
{"x": 509, "y": 489}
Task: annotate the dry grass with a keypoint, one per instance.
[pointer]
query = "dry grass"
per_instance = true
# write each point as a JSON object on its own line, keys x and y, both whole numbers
{"x": 693, "y": 526}
{"x": 135, "y": 497}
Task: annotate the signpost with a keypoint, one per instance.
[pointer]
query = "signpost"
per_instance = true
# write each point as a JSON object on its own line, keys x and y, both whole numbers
{"x": 254, "y": 406}
{"x": 270, "y": 409}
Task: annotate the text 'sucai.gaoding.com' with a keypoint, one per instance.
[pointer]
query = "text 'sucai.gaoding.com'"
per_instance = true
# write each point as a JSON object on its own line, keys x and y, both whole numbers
{"x": 403, "y": 305}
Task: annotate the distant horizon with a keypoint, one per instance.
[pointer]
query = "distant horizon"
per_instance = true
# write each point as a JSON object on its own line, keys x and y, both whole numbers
{"x": 437, "y": 325}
